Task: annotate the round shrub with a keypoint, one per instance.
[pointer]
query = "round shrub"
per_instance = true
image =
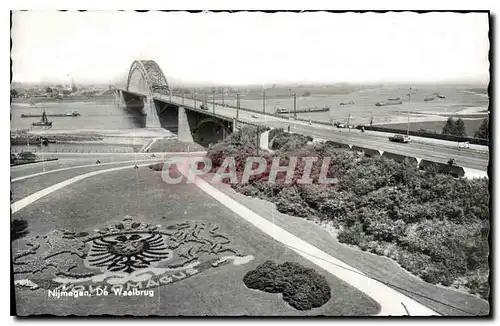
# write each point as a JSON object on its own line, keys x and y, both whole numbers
{"x": 303, "y": 288}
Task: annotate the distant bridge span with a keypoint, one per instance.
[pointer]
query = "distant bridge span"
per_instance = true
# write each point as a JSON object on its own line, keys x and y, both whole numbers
{"x": 148, "y": 94}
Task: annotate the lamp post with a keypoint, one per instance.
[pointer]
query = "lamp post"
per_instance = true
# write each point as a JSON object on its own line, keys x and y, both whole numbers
{"x": 295, "y": 106}
{"x": 213, "y": 99}
{"x": 237, "y": 109}
{"x": 408, "y": 113}
{"x": 182, "y": 94}
{"x": 263, "y": 99}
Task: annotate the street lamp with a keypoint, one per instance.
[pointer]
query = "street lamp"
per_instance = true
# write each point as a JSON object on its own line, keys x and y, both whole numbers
{"x": 237, "y": 109}
{"x": 213, "y": 99}
{"x": 408, "y": 113}
{"x": 182, "y": 93}
{"x": 263, "y": 99}
{"x": 295, "y": 106}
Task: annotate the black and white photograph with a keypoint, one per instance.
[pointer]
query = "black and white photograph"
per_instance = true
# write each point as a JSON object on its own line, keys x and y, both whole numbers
{"x": 231, "y": 163}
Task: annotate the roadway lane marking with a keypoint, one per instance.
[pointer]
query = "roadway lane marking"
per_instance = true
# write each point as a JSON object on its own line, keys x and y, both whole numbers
{"x": 20, "y": 204}
{"x": 389, "y": 299}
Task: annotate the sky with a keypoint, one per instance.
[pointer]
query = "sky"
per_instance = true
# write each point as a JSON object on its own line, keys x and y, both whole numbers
{"x": 251, "y": 48}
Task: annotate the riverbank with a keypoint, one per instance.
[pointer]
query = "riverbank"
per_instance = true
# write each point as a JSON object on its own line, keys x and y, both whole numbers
{"x": 87, "y": 140}
{"x": 77, "y": 98}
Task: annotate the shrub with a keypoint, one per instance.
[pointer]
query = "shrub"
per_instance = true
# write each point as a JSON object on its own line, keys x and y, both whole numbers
{"x": 302, "y": 288}
{"x": 351, "y": 235}
{"x": 433, "y": 225}
{"x": 28, "y": 156}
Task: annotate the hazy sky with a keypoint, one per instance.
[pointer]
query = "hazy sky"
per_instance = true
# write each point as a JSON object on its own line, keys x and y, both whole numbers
{"x": 246, "y": 48}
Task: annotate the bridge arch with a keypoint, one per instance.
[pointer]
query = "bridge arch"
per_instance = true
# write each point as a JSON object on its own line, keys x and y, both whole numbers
{"x": 210, "y": 130}
{"x": 152, "y": 75}
{"x": 213, "y": 120}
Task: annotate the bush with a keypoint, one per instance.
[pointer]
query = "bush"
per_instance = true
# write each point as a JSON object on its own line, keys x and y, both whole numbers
{"x": 289, "y": 202}
{"x": 28, "y": 156}
{"x": 302, "y": 288}
{"x": 351, "y": 235}
{"x": 432, "y": 224}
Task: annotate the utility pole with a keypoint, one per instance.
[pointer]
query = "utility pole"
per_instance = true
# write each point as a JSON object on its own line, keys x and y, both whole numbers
{"x": 237, "y": 109}
{"x": 408, "y": 113}
{"x": 194, "y": 97}
{"x": 348, "y": 120}
{"x": 258, "y": 142}
{"x": 223, "y": 89}
{"x": 213, "y": 99}
{"x": 206, "y": 100}
{"x": 182, "y": 94}
{"x": 295, "y": 106}
{"x": 263, "y": 100}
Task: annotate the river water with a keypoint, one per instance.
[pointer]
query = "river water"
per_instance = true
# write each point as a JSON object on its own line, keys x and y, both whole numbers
{"x": 100, "y": 114}
{"x": 122, "y": 131}
{"x": 458, "y": 100}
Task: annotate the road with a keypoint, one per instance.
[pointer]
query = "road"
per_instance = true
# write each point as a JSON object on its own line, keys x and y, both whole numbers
{"x": 472, "y": 159}
{"x": 84, "y": 221}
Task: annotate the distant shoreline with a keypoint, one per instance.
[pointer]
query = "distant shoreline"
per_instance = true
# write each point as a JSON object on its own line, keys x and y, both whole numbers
{"x": 16, "y": 100}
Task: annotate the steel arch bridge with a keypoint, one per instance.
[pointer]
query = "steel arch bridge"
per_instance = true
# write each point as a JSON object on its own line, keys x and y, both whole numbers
{"x": 145, "y": 76}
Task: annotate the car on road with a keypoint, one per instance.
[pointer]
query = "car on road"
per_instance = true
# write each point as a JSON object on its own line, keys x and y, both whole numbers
{"x": 463, "y": 145}
{"x": 255, "y": 116}
{"x": 339, "y": 125}
{"x": 203, "y": 107}
{"x": 400, "y": 139}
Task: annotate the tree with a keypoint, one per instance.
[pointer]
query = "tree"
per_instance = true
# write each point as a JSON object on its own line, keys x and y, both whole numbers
{"x": 449, "y": 127}
{"x": 483, "y": 131}
{"x": 460, "y": 128}
{"x": 14, "y": 93}
{"x": 48, "y": 90}
{"x": 455, "y": 128}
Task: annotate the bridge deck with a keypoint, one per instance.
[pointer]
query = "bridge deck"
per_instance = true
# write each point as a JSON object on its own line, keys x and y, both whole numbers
{"x": 436, "y": 152}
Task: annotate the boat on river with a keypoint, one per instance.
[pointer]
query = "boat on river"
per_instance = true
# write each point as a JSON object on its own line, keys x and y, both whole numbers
{"x": 69, "y": 114}
{"x": 44, "y": 122}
